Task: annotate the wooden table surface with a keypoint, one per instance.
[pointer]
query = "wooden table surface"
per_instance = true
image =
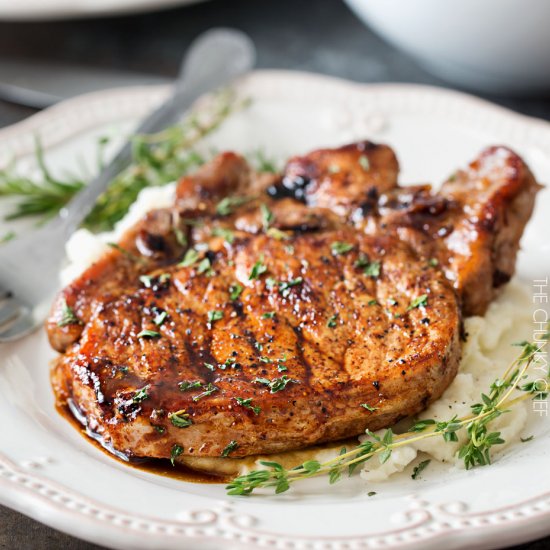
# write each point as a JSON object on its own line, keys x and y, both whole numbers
{"x": 312, "y": 35}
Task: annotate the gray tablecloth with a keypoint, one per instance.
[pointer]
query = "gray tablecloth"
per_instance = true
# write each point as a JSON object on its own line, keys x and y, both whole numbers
{"x": 313, "y": 35}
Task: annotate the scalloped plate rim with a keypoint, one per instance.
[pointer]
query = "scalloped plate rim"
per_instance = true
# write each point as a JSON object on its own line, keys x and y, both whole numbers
{"x": 43, "y": 508}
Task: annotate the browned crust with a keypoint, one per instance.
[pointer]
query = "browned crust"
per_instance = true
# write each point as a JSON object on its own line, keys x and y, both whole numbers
{"x": 385, "y": 354}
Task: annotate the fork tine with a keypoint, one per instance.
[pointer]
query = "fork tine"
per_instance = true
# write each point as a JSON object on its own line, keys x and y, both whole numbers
{"x": 9, "y": 310}
{"x": 20, "y": 327}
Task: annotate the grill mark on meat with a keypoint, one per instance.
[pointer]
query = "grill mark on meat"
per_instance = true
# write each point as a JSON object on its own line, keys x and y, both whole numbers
{"x": 197, "y": 358}
{"x": 300, "y": 343}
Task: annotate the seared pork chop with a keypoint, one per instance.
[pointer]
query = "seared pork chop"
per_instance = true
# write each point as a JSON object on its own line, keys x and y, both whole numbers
{"x": 271, "y": 312}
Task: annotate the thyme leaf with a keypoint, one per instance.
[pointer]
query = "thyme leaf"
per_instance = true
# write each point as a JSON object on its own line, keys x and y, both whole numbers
{"x": 235, "y": 290}
{"x": 420, "y": 301}
{"x": 277, "y": 384}
{"x": 247, "y": 404}
{"x": 148, "y": 334}
{"x": 231, "y": 446}
{"x": 228, "y": 204}
{"x": 180, "y": 419}
{"x": 174, "y": 453}
{"x": 420, "y": 468}
{"x": 258, "y": 269}
{"x": 339, "y": 248}
{"x": 68, "y": 316}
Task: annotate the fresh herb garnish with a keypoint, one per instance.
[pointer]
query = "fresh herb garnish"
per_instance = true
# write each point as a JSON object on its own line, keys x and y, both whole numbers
{"x": 258, "y": 269}
{"x": 191, "y": 257}
{"x": 421, "y": 425}
{"x": 372, "y": 270}
{"x": 229, "y": 362}
{"x": 174, "y": 453}
{"x": 224, "y": 233}
{"x": 180, "y": 236}
{"x": 227, "y": 204}
{"x": 180, "y": 419}
{"x": 187, "y": 385}
{"x": 205, "y": 266}
{"x": 433, "y": 262}
{"x": 231, "y": 446}
{"x": 277, "y": 234}
{"x": 281, "y": 367}
{"x": 148, "y": 334}
{"x": 420, "y": 468}
{"x": 7, "y": 237}
{"x": 141, "y": 394}
{"x": 214, "y": 315}
{"x": 368, "y": 407}
{"x": 160, "y": 317}
{"x": 208, "y": 390}
{"x": 277, "y": 384}
{"x": 285, "y": 286}
{"x": 235, "y": 290}
{"x": 339, "y": 248}
{"x": 268, "y": 315}
{"x": 364, "y": 162}
{"x": 68, "y": 316}
{"x": 267, "y": 216}
{"x": 127, "y": 253}
{"x": 331, "y": 323}
{"x": 420, "y": 301}
{"x": 146, "y": 280}
{"x": 247, "y": 404}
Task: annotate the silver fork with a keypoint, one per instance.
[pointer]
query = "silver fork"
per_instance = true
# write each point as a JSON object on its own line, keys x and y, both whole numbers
{"x": 29, "y": 266}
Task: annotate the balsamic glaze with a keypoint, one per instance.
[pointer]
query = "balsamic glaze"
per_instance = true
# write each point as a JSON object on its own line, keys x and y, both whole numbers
{"x": 293, "y": 187}
{"x": 156, "y": 466}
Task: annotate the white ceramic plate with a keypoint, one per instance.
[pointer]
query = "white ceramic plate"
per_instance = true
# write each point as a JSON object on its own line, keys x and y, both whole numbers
{"x": 50, "y": 472}
{"x": 43, "y": 10}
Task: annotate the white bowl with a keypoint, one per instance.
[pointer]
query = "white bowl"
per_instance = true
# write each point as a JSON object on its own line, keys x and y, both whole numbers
{"x": 498, "y": 46}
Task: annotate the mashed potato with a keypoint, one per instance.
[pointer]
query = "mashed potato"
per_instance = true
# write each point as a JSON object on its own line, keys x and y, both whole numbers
{"x": 486, "y": 354}
{"x": 84, "y": 247}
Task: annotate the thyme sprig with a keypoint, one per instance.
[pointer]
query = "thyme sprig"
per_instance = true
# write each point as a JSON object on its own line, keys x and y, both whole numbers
{"x": 476, "y": 451}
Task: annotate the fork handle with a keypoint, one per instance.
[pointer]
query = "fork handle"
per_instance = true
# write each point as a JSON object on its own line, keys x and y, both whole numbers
{"x": 214, "y": 59}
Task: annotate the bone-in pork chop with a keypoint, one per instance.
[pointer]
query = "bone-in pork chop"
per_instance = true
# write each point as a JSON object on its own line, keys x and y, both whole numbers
{"x": 266, "y": 312}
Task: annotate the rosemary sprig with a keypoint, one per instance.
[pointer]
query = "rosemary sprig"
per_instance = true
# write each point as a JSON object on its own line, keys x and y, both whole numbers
{"x": 43, "y": 196}
{"x": 157, "y": 159}
{"x": 476, "y": 451}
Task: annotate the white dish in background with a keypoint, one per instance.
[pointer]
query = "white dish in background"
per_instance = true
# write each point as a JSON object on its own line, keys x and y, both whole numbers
{"x": 50, "y": 472}
{"x": 497, "y": 46}
{"x": 46, "y": 10}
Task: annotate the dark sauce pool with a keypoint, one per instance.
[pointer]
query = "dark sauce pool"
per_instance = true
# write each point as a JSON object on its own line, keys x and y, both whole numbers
{"x": 155, "y": 466}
